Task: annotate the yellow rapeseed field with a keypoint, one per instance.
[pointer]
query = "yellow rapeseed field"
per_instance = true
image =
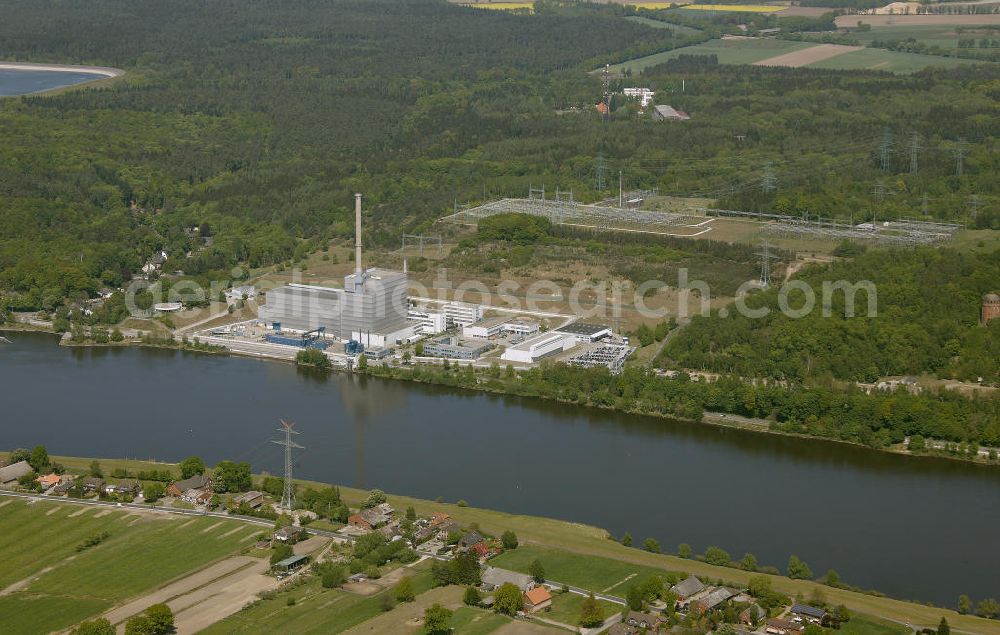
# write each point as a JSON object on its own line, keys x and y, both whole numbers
{"x": 500, "y": 6}
{"x": 656, "y": 5}
{"x": 747, "y": 8}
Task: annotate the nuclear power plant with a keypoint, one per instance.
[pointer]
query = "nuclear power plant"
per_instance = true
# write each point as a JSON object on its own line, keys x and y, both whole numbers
{"x": 371, "y": 308}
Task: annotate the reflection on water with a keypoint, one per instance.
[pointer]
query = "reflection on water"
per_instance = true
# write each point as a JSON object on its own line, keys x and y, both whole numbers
{"x": 864, "y": 513}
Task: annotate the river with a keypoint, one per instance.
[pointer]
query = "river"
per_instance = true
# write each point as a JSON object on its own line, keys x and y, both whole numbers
{"x": 24, "y": 82}
{"x": 913, "y": 528}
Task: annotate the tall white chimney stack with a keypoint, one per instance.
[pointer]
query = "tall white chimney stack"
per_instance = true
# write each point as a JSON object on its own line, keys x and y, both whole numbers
{"x": 357, "y": 239}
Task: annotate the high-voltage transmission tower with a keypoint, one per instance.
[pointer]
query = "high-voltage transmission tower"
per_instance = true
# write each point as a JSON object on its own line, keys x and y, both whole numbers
{"x": 765, "y": 264}
{"x": 600, "y": 169}
{"x": 914, "y": 150}
{"x": 961, "y": 151}
{"x": 885, "y": 150}
{"x": 973, "y": 208}
{"x": 768, "y": 182}
{"x": 288, "y": 497}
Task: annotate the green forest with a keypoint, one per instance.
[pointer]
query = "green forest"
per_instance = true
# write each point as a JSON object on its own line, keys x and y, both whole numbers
{"x": 928, "y": 307}
{"x": 252, "y": 124}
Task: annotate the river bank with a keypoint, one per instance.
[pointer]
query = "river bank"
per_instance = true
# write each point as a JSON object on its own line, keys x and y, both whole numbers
{"x": 589, "y": 541}
{"x": 104, "y": 71}
{"x": 719, "y": 419}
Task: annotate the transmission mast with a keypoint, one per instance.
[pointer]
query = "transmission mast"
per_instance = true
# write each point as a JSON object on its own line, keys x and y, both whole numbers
{"x": 288, "y": 497}
{"x": 768, "y": 182}
{"x": 600, "y": 167}
{"x": 765, "y": 264}
{"x": 885, "y": 149}
{"x": 914, "y": 150}
{"x": 961, "y": 152}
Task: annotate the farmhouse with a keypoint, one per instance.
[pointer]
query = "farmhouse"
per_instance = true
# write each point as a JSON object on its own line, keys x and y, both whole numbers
{"x": 809, "y": 613}
{"x": 688, "y": 587}
{"x": 251, "y": 499}
{"x": 178, "y": 489}
{"x": 48, "y": 481}
{"x": 288, "y": 534}
{"x": 127, "y": 487}
{"x": 494, "y": 578}
{"x": 10, "y": 474}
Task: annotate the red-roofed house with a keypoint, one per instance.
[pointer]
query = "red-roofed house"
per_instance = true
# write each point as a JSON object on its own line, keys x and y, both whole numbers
{"x": 537, "y": 599}
{"x": 49, "y": 480}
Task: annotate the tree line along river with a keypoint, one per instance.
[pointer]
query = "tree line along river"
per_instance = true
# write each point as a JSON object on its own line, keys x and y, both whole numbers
{"x": 914, "y": 528}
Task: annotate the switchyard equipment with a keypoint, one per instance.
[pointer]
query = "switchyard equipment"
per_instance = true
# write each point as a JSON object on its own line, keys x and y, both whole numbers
{"x": 309, "y": 339}
{"x": 901, "y": 232}
{"x": 568, "y": 212}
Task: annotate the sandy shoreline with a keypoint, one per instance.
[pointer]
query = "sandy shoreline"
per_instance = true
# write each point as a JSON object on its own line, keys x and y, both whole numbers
{"x": 61, "y": 68}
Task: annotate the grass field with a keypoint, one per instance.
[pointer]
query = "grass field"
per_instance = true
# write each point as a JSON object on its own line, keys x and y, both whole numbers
{"x": 141, "y": 553}
{"x": 729, "y": 51}
{"x": 864, "y": 625}
{"x": 469, "y": 621}
{"x": 593, "y": 574}
{"x": 566, "y": 608}
{"x": 588, "y": 542}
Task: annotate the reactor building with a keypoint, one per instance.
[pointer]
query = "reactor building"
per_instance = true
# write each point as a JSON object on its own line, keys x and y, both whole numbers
{"x": 372, "y": 308}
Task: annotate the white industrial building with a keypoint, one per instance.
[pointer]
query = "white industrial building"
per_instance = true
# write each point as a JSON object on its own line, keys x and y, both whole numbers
{"x": 539, "y": 347}
{"x": 372, "y": 307}
{"x": 485, "y": 329}
{"x": 520, "y": 327}
{"x": 428, "y": 322}
{"x": 461, "y": 313}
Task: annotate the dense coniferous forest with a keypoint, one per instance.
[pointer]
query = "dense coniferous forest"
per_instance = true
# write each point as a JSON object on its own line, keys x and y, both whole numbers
{"x": 257, "y": 121}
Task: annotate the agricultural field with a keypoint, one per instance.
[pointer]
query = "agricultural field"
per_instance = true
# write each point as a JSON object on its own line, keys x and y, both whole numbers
{"x": 729, "y": 51}
{"x": 310, "y": 608}
{"x": 48, "y": 585}
{"x": 944, "y": 36}
{"x": 980, "y": 19}
{"x": 770, "y": 52}
{"x": 869, "y": 59}
{"x": 659, "y": 24}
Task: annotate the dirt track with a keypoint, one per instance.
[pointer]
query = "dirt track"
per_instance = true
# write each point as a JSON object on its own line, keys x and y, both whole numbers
{"x": 205, "y": 597}
{"x": 807, "y": 56}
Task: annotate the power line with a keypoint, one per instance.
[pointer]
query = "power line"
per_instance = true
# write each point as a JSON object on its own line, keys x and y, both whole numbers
{"x": 914, "y": 149}
{"x": 885, "y": 149}
{"x": 288, "y": 497}
{"x": 765, "y": 264}
{"x": 961, "y": 151}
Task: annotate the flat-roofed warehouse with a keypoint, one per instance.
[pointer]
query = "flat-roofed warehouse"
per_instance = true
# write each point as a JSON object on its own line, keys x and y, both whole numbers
{"x": 538, "y": 347}
{"x": 584, "y": 332}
